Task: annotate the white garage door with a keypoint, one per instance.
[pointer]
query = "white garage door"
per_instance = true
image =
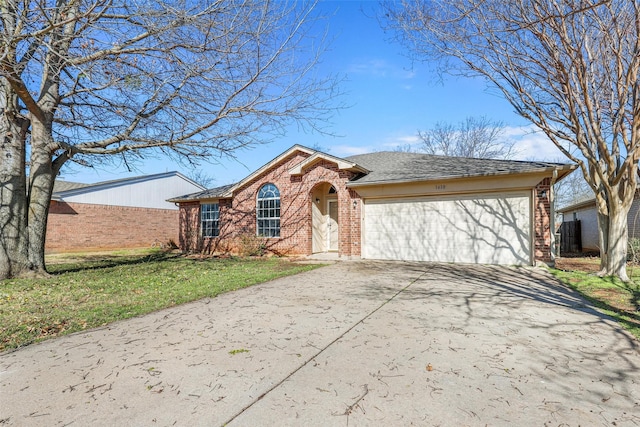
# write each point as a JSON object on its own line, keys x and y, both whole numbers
{"x": 485, "y": 229}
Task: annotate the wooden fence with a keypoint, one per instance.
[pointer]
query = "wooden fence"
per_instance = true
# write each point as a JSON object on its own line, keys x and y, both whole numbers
{"x": 570, "y": 237}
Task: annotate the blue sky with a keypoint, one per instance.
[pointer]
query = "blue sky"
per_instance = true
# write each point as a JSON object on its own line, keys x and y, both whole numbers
{"x": 390, "y": 98}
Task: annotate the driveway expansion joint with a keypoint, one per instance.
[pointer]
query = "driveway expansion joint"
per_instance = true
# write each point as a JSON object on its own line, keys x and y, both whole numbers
{"x": 320, "y": 351}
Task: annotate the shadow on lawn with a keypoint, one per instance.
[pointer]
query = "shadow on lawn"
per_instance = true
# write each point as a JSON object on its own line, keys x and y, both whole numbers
{"x": 618, "y": 297}
{"x": 102, "y": 261}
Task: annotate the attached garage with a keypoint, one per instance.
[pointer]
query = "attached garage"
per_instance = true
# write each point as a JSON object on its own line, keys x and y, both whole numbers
{"x": 476, "y": 228}
{"x": 389, "y": 205}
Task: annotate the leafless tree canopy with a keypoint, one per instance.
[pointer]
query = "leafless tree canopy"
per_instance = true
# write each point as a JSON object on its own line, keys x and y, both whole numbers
{"x": 195, "y": 78}
{"x": 81, "y": 80}
{"x": 474, "y": 137}
{"x": 568, "y": 66}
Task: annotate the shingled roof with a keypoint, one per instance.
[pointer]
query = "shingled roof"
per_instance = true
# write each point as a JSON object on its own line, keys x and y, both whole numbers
{"x": 388, "y": 167}
{"x": 395, "y": 167}
{"x": 212, "y": 193}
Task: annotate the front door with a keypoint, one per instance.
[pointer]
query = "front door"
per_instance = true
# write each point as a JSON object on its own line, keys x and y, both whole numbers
{"x": 332, "y": 226}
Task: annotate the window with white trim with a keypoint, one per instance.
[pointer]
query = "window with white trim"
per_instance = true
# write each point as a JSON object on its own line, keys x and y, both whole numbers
{"x": 268, "y": 211}
{"x": 210, "y": 219}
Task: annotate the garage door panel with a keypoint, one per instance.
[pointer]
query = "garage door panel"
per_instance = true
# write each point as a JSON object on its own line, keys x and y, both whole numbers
{"x": 476, "y": 229}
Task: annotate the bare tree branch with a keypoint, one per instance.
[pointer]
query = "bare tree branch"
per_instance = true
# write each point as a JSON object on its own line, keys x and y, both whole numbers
{"x": 90, "y": 79}
{"x": 568, "y": 66}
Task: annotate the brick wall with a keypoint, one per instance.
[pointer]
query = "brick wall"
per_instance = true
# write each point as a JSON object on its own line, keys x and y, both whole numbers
{"x": 81, "y": 226}
{"x": 542, "y": 221}
{"x": 238, "y": 217}
{"x": 189, "y": 229}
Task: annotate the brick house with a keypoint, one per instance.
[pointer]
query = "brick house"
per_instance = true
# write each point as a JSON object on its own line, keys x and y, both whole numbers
{"x": 123, "y": 213}
{"x": 384, "y": 205}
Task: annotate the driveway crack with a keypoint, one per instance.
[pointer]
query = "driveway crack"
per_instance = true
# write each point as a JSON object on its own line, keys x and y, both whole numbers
{"x": 321, "y": 350}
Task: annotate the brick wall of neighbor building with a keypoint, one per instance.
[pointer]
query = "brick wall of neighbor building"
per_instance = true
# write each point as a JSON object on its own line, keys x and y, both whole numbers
{"x": 238, "y": 219}
{"x": 81, "y": 226}
{"x": 542, "y": 223}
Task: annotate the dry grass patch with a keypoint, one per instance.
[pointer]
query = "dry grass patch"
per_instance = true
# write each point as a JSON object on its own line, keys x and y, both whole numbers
{"x": 89, "y": 291}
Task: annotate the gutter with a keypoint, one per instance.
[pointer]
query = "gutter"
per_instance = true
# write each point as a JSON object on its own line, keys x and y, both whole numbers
{"x": 537, "y": 171}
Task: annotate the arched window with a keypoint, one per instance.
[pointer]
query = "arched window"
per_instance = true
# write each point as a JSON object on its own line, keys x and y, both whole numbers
{"x": 268, "y": 211}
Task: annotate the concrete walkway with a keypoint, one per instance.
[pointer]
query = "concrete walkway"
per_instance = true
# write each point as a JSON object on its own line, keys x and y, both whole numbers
{"x": 355, "y": 343}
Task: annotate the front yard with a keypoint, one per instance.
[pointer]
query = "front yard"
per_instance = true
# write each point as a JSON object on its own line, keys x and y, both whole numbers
{"x": 90, "y": 290}
{"x": 618, "y": 299}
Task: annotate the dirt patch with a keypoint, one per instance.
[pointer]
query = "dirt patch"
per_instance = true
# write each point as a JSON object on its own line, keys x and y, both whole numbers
{"x": 587, "y": 264}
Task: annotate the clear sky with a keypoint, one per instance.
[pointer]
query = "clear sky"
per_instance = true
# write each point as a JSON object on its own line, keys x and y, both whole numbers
{"x": 390, "y": 98}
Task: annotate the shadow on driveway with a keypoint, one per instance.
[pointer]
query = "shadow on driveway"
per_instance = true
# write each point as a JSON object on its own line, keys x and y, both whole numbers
{"x": 355, "y": 343}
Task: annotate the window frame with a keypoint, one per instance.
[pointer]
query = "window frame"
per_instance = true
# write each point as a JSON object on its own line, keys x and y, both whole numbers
{"x": 212, "y": 221}
{"x": 268, "y": 211}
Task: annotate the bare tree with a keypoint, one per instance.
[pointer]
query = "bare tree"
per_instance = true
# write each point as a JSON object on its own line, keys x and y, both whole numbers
{"x": 474, "y": 137}
{"x": 571, "y": 190}
{"x": 568, "y": 66}
{"x": 202, "y": 177}
{"x": 82, "y": 80}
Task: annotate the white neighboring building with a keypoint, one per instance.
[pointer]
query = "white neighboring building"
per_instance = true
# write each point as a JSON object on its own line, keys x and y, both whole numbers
{"x": 586, "y": 213}
{"x": 149, "y": 191}
{"x": 123, "y": 213}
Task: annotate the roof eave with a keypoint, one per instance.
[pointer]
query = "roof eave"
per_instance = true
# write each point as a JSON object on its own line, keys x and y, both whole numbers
{"x": 580, "y": 205}
{"x": 319, "y": 156}
{"x": 539, "y": 171}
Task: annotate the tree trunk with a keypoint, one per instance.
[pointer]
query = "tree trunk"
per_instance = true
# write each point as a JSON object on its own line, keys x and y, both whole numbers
{"x": 613, "y": 232}
{"x": 14, "y": 255}
{"x": 41, "y": 179}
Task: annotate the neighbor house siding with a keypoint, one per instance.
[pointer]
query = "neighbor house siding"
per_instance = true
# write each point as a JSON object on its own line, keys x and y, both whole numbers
{"x": 588, "y": 217}
{"x": 82, "y": 226}
{"x": 588, "y": 225}
{"x": 143, "y": 192}
{"x": 633, "y": 219}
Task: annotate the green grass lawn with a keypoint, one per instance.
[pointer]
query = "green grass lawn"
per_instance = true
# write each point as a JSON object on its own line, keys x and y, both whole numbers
{"x": 90, "y": 290}
{"x": 610, "y": 295}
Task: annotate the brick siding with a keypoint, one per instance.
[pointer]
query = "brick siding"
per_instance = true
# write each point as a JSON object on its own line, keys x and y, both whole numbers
{"x": 542, "y": 221}
{"x": 82, "y": 226}
{"x": 238, "y": 217}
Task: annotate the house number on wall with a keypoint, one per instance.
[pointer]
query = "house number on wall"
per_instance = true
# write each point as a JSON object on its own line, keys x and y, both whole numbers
{"x": 441, "y": 187}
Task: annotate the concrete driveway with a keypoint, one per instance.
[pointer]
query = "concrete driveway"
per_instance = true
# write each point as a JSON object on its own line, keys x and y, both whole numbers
{"x": 347, "y": 344}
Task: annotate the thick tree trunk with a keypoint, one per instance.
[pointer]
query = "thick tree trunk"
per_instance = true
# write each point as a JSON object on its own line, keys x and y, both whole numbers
{"x": 41, "y": 179}
{"x": 14, "y": 259}
{"x": 613, "y": 233}
{"x": 616, "y": 257}
{"x": 603, "y": 238}
{"x": 23, "y": 209}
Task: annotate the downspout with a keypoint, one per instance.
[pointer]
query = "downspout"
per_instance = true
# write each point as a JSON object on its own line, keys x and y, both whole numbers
{"x": 552, "y": 220}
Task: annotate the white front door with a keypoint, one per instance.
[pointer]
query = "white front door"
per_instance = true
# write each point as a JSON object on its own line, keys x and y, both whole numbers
{"x": 332, "y": 226}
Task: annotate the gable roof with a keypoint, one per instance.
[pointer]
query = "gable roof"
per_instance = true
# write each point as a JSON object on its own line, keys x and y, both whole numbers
{"x": 226, "y": 191}
{"x": 319, "y": 156}
{"x": 222, "y": 192}
{"x": 61, "y": 185}
{"x": 391, "y": 167}
{"x": 63, "y": 188}
{"x": 388, "y": 167}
